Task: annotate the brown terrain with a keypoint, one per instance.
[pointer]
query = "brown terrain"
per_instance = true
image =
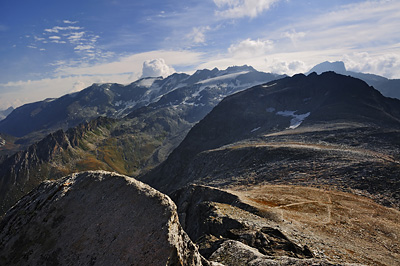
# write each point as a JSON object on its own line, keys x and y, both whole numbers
{"x": 338, "y": 226}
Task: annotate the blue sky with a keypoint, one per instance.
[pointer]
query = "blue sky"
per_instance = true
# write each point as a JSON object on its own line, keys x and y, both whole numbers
{"x": 50, "y": 48}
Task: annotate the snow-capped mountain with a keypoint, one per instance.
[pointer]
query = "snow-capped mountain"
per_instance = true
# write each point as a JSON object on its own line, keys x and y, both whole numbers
{"x": 116, "y": 100}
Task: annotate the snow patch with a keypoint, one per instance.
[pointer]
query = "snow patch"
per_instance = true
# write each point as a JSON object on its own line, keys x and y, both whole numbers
{"x": 255, "y": 129}
{"x": 296, "y": 120}
{"x": 124, "y": 105}
{"x": 146, "y": 82}
{"x": 223, "y": 77}
{"x": 267, "y": 86}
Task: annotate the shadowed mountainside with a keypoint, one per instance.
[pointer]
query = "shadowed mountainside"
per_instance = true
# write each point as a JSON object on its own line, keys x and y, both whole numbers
{"x": 323, "y": 129}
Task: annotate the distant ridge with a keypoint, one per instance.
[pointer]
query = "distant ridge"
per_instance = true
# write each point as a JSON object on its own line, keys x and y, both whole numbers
{"x": 388, "y": 87}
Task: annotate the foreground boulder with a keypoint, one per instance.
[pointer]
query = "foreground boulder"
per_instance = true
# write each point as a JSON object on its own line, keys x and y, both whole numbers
{"x": 95, "y": 218}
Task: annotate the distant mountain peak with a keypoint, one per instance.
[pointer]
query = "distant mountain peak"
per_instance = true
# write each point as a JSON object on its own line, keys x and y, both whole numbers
{"x": 240, "y": 68}
{"x": 337, "y": 66}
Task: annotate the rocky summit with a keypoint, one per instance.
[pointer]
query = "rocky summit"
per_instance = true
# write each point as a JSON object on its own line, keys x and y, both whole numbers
{"x": 95, "y": 218}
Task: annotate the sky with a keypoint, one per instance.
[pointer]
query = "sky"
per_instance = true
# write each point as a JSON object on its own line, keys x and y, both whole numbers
{"x": 49, "y": 48}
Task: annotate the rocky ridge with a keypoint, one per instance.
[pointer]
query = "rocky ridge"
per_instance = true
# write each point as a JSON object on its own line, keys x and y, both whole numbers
{"x": 95, "y": 218}
{"x": 388, "y": 87}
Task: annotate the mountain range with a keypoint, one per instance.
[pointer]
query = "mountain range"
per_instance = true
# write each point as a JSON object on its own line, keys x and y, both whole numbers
{"x": 126, "y": 143}
{"x": 263, "y": 169}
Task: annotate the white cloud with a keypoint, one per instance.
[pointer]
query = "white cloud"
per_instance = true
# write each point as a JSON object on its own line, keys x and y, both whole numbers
{"x": 383, "y": 64}
{"x": 353, "y": 26}
{"x": 129, "y": 64}
{"x": 75, "y": 37}
{"x": 156, "y": 68}
{"x": 251, "y": 48}
{"x": 84, "y": 47}
{"x": 242, "y": 8}
{"x": 279, "y": 66}
{"x": 294, "y": 36}
{"x": 38, "y": 39}
{"x": 365, "y": 35}
{"x": 79, "y": 85}
{"x": 70, "y": 22}
{"x": 56, "y": 29}
{"x": 197, "y": 35}
{"x": 55, "y": 37}
{"x": 57, "y": 41}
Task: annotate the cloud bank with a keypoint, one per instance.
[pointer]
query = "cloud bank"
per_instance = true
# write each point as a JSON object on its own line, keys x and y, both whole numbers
{"x": 156, "y": 68}
{"x": 250, "y": 48}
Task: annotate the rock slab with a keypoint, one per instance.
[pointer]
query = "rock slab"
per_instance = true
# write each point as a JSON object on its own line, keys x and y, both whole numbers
{"x": 95, "y": 218}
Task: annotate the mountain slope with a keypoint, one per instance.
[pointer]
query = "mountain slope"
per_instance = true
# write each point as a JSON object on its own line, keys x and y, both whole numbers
{"x": 273, "y": 132}
{"x": 97, "y": 100}
{"x": 5, "y": 113}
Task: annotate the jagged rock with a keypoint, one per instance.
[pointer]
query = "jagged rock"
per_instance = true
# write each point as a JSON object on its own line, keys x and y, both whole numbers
{"x": 95, "y": 218}
{"x": 201, "y": 212}
{"x": 232, "y": 252}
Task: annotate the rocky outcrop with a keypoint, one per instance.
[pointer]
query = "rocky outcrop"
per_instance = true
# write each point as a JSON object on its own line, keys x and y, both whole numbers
{"x": 236, "y": 253}
{"x": 232, "y": 232}
{"x": 95, "y": 218}
{"x": 201, "y": 216}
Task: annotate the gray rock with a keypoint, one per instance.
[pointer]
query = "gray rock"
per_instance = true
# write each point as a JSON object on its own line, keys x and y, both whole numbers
{"x": 95, "y": 218}
{"x": 233, "y": 252}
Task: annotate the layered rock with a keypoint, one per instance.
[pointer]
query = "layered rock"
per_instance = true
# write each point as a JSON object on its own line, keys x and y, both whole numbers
{"x": 95, "y": 218}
